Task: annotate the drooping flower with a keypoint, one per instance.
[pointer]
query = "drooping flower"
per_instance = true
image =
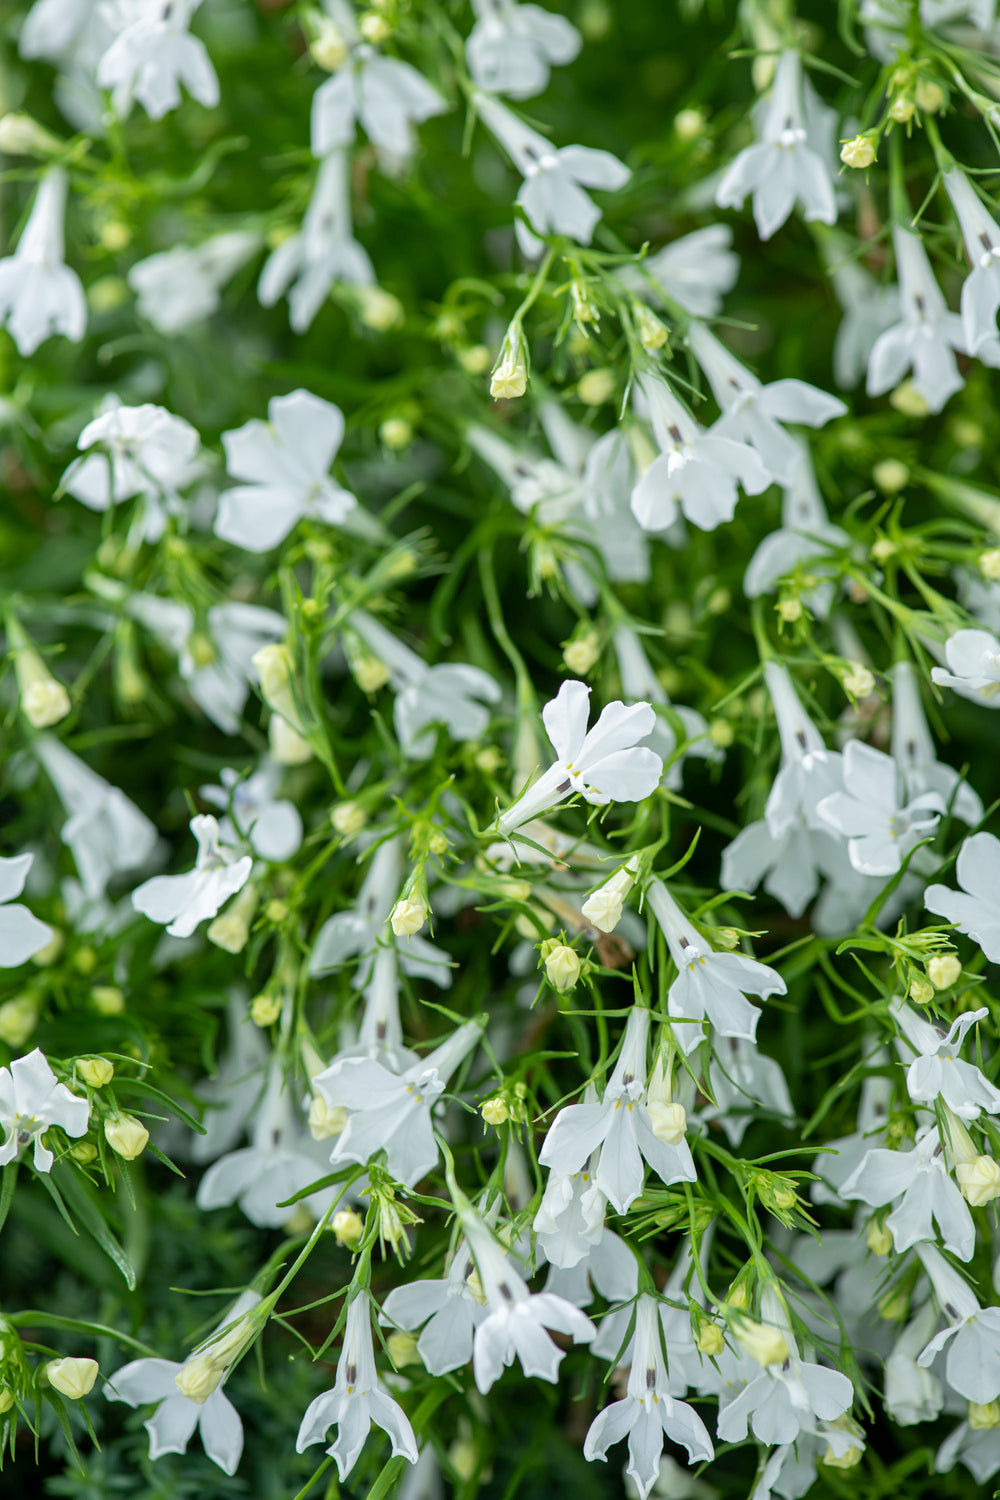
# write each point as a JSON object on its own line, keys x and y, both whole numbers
{"x": 39, "y": 294}
{"x": 152, "y": 55}
{"x": 21, "y": 933}
{"x": 981, "y": 288}
{"x": 180, "y": 287}
{"x": 973, "y": 1332}
{"x": 913, "y": 751}
{"x": 975, "y": 910}
{"x": 920, "y": 1179}
{"x": 357, "y": 1399}
{"x": 512, "y": 46}
{"x": 973, "y": 658}
{"x": 131, "y": 451}
{"x": 880, "y": 828}
{"x": 232, "y": 1093}
{"x": 448, "y": 1309}
{"x": 938, "y": 1071}
{"x": 926, "y": 338}
{"x": 743, "y": 1081}
{"x": 386, "y": 96}
{"x": 105, "y": 832}
{"x": 31, "y": 1100}
{"x": 183, "y": 901}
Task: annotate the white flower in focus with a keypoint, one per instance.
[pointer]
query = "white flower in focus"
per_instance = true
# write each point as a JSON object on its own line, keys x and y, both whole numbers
{"x": 386, "y": 96}
{"x": 21, "y": 933}
{"x": 981, "y": 288}
{"x": 925, "y": 339}
{"x": 604, "y": 764}
{"x": 880, "y": 828}
{"x": 140, "y": 451}
{"x": 913, "y": 751}
{"x": 570, "y": 1217}
{"x": 920, "y": 1179}
{"x": 937, "y": 1071}
{"x": 448, "y": 1309}
{"x": 511, "y": 47}
{"x": 973, "y": 658}
{"x": 180, "y": 287}
{"x": 973, "y": 1366}
{"x": 975, "y": 910}
{"x": 105, "y": 832}
{"x": 39, "y": 294}
{"x": 782, "y": 168}
{"x": 31, "y": 1100}
{"x": 285, "y": 465}
{"x": 182, "y": 901}
{"x": 152, "y": 55}
{"x": 357, "y": 1399}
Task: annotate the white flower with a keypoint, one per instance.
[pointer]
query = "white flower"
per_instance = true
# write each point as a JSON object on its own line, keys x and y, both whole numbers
{"x": 605, "y": 764}
{"x": 152, "y": 55}
{"x": 809, "y": 771}
{"x": 649, "y": 1410}
{"x": 623, "y": 1127}
{"x": 552, "y": 193}
{"x": 516, "y": 1319}
{"x": 21, "y": 933}
{"x": 393, "y": 1112}
{"x": 973, "y": 658}
{"x": 973, "y": 1367}
{"x": 937, "y": 1071}
{"x": 39, "y": 294}
{"x": 848, "y": 1152}
{"x": 790, "y": 865}
{"x": 696, "y": 472}
{"x": 570, "y": 1217}
{"x": 913, "y": 751}
{"x": 694, "y": 271}
{"x": 869, "y": 309}
{"x": 927, "y": 336}
{"x": 231, "y": 1094}
{"x": 31, "y": 1100}
{"x": 357, "y": 1400}
{"x": 709, "y": 986}
{"x": 881, "y": 829}
{"x": 975, "y": 910}
{"x": 141, "y": 451}
{"x": 752, "y": 412}
{"x": 272, "y": 826}
{"x": 511, "y": 47}
{"x": 323, "y": 252}
{"x": 182, "y": 901}
{"x": 106, "y": 833}
{"x": 919, "y": 1178}
{"x": 783, "y": 168}
{"x": 978, "y": 1450}
{"x": 641, "y": 684}
{"x": 744, "y": 1080}
{"x": 912, "y": 1394}
{"x": 173, "y": 1423}
{"x": 388, "y": 97}
{"x": 981, "y": 289}
{"x": 802, "y": 544}
{"x": 285, "y": 465}
{"x": 447, "y": 1308}
{"x": 181, "y": 286}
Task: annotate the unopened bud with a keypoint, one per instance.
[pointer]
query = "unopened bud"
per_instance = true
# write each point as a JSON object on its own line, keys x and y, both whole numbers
{"x": 348, "y": 1226}
{"x": 721, "y": 733}
{"x": 6, "y": 1399}
{"x": 20, "y": 135}
{"x": 789, "y": 610}
{"x": 265, "y": 1009}
{"x": 379, "y": 309}
{"x": 902, "y": 110}
{"x": 982, "y": 1416}
{"x": 562, "y": 966}
{"x": 979, "y": 1180}
{"x": 768, "y": 1346}
{"x": 921, "y": 992}
{"x": 883, "y": 550}
{"x": 408, "y": 916}
{"x": 201, "y": 649}
{"x": 374, "y": 28}
{"x": 669, "y": 1121}
{"x": 689, "y": 124}
{"x": 891, "y": 475}
{"x": 597, "y": 387}
{"x": 858, "y": 681}
{"x": 44, "y": 701}
{"x": 205, "y": 1371}
{"x": 326, "y": 1120}
{"x": 652, "y": 333}
{"x": 288, "y": 747}
{"x": 348, "y": 818}
{"x": 930, "y": 96}
{"x": 495, "y": 1111}
{"x": 604, "y": 908}
{"x": 463, "y": 1455}
{"x": 510, "y": 375}
{"x": 989, "y": 564}
{"x": 329, "y": 48}
{"x": 396, "y": 433}
{"x": 95, "y": 1071}
{"x": 83, "y": 1152}
{"x": 908, "y": 400}
{"x": 475, "y": 1286}
{"x": 848, "y": 1459}
{"x": 18, "y": 1019}
{"x": 72, "y": 1377}
{"x": 474, "y": 359}
{"x": 943, "y": 970}
{"x": 710, "y": 1339}
{"x": 127, "y": 1136}
{"x": 878, "y": 1238}
{"x": 402, "y": 1349}
{"x": 859, "y": 152}
{"x": 894, "y": 1306}
{"x": 580, "y": 655}
{"x": 275, "y": 667}
{"x": 231, "y": 930}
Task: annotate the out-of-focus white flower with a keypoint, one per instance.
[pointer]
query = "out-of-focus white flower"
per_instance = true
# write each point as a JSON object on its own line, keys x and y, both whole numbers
{"x": 743, "y": 1081}
{"x": 152, "y": 55}
{"x": 975, "y": 909}
{"x": 136, "y": 450}
{"x": 511, "y": 47}
{"x": 869, "y": 308}
{"x": 920, "y": 1179}
{"x": 31, "y": 1099}
{"x": 641, "y": 684}
{"x": 880, "y": 828}
{"x": 913, "y": 751}
{"x": 802, "y": 543}
{"x": 21, "y": 933}
{"x": 106, "y": 833}
{"x": 39, "y": 294}
{"x": 385, "y": 96}
{"x": 695, "y": 271}
{"x": 973, "y": 1332}
{"x": 981, "y": 288}
{"x": 912, "y": 1394}
{"x": 180, "y": 287}
{"x": 926, "y": 338}
{"x": 271, "y": 825}
{"x": 182, "y": 901}
{"x": 448, "y": 1309}
{"x": 973, "y": 658}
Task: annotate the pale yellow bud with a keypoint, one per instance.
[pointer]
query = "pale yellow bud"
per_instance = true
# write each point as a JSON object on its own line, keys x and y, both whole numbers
{"x": 18, "y": 1019}
{"x": 275, "y": 667}
{"x": 653, "y": 334}
{"x": 858, "y": 681}
{"x": 725, "y": 937}
{"x": 738, "y": 1295}
{"x": 721, "y": 733}
{"x": 894, "y": 1307}
{"x": 510, "y": 377}
{"x": 83, "y": 1152}
{"x": 348, "y": 1226}
{"x": 265, "y": 1009}
{"x": 920, "y": 991}
{"x": 891, "y": 475}
{"x": 944, "y": 970}
{"x": 908, "y": 400}
{"x": 396, "y": 433}
{"x": 348, "y": 818}
{"x": 204, "y": 1372}
{"x": 474, "y": 359}
{"x": 72, "y": 1377}
{"x": 489, "y": 760}
{"x": 53, "y": 948}
{"x": 979, "y": 1180}
{"x": 44, "y": 701}
{"x": 580, "y": 655}
{"x": 877, "y": 1238}
{"x": 584, "y": 309}
{"x": 849, "y": 1459}
{"x": 95, "y": 1071}
{"x": 288, "y": 747}
{"x": 201, "y": 649}
{"x": 783, "y": 1197}
{"x": 402, "y": 1349}
{"x": 379, "y": 309}
{"x": 126, "y": 1135}
{"x": 883, "y": 550}
{"x": 20, "y": 135}
{"x": 859, "y": 152}
{"x": 6, "y": 1399}
{"x": 107, "y": 293}
{"x": 689, "y": 124}
{"x": 669, "y": 1121}
{"x": 463, "y": 1455}
{"x": 475, "y": 1286}
{"x": 107, "y": 999}
{"x": 710, "y": 1339}
{"x": 768, "y": 1346}
{"x": 929, "y": 95}
{"x": 115, "y": 235}
{"x": 325, "y": 1120}
{"x": 902, "y": 110}
{"x": 989, "y": 564}
{"x": 789, "y": 610}
{"x": 495, "y": 1111}
{"x": 562, "y": 967}
{"x": 374, "y": 28}
{"x": 982, "y": 1416}
{"x": 597, "y": 387}
{"x": 231, "y": 930}
{"x": 370, "y": 674}
{"x": 329, "y": 48}
{"x": 408, "y": 915}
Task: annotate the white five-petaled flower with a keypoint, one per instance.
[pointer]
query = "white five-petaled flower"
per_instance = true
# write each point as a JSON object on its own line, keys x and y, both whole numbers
{"x": 552, "y": 193}
{"x": 511, "y": 47}
{"x": 604, "y": 764}
{"x": 449, "y": 1310}
{"x": 801, "y": 544}
{"x": 285, "y": 467}
{"x": 516, "y": 1319}
{"x": 271, "y": 825}
{"x": 809, "y": 771}
{"x": 182, "y": 901}
{"x": 920, "y": 1179}
{"x": 628, "y": 1127}
{"x": 927, "y": 336}
{"x": 913, "y": 750}
{"x": 869, "y": 309}
{"x": 782, "y": 168}
{"x": 570, "y": 1217}
{"x": 21, "y": 933}
{"x": 911, "y": 1393}
{"x": 881, "y": 829}
{"x": 975, "y": 910}
{"x": 393, "y": 1112}
{"x": 694, "y": 271}
{"x": 39, "y": 294}
{"x": 649, "y": 1410}
{"x": 172, "y": 1425}
{"x": 31, "y": 1099}
{"x": 744, "y": 1080}
{"x": 357, "y": 1400}
{"x": 973, "y": 658}
{"x": 387, "y": 96}
{"x": 181, "y": 286}
{"x": 981, "y": 289}
{"x": 105, "y": 832}
{"x": 697, "y": 471}
{"x": 152, "y": 55}
{"x": 973, "y": 1332}
{"x": 709, "y": 986}
{"x": 937, "y": 1071}
{"x": 133, "y": 451}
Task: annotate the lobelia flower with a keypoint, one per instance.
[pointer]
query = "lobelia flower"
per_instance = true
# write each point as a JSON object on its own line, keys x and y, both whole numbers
{"x": 31, "y": 1100}
{"x": 511, "y": 47}
{"x": 912, "y": 1394}
{"x": 357, "y": 1399}
{"x": 21, "y": 933}
{"x": 649, "y": 1410}
{"x": 937, "y": 1071}
{"x": 142, "y": 451}
{"x": 551, "y": 194}
{"x": 285, "y": 465}
{"x": 913, "y": 751}
{"x": 695, "y": 271}
{"x": 981, "y": 288}
{"x": 709, "y": 986}
{"x": 449, "y": 1310}
{"x": 869, "y": 309}
{"x": 696, "y": 471}
{"x": 973, "y": 1332}
{"x": 752, "y": 413}
{"x": 570, "y": 1218}
{"x": 516, "y": 1319}
{"x": 881, "y": 829}
{"x": 152, "y": 55}
{"x": 231, "y": 1095}
{"x": 172, "y": 1425}
{"x": 973, "y": 658}
{"x": 641, "y": 684}
{"x": 105, "y": 832}
{"x": 386, "y": 96}
{"x": 782, "y": 168}
{"x": 182, "y": 901}
{"x": 975, "y": 910}
{"x": 802, "y": 543}
{"x": 322, "y": 253}
{"x": 927, "y": 336}
{"x": 608, "y": 1267}
{"x": 604, "y": 764}
{"x": 628, "y": 1127}
{"x": 393, "y": 1112}
{"x": 848, "y": 1152}
{"x": 743, "y": 1081}
{"x": 977, "y": 1449}
{"x": 271, "y": 826}
{"x": 687, "y": 1367}
{"x": 809, "y": 771}
{"x": 181, "y": 287}
{"x": 921, "y": 1181}
{"x": 39, "y": 294}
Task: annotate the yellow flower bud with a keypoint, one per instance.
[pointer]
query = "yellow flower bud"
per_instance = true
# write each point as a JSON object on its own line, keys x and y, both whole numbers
{"x": 474, "y": 359}
{"x": 883, "y": 550}
{"x": 989, "y": 564}
{"x": 396, "y": 433}
{"x": 894, "y": 1307}
{"x": 710, "y": 1339}
{"x": 849, "y": 1459}
{"x": 83, "y": 1152}
{"x": 379, "y": 309}
{"x": 902, "y": 110}
{"x": 944, "y": 970}
{"x": 115, "y": 236}
{"x": 859, "y": 152}
{"x": 878, "y": 1238}
{"x": 325, "y": 1120}
{"x": 489, "y": 760}
{"x": 982, "y": 1416}
{"x": 721, "y": 733}
{"x": 510, "y": 376}
{"x": 789, "y": 610}
{"x": 930, "y": 96}
{"x": 44, "y": 701}
{"x": 348, "y": 1226}
{"x": 768, "y": 1346}
{"x": 18, "y": 1019}
{"x": 348, "y": 818}
{"x": 669, "y": 1121}
{"x": 231, "y": 930}
{"x": 20, "y": 135}
{"x": 562, "y": 967}
{"x": 652, "y": 333}
{"x": 689, "y": 124}
{"x": 265, "y": 1009}
{"x": 329, "y": 48}
{"x": 495, "y": 1111}
{"x": 288, "y": 747}
{"x": 6, "y": 1399}
{"x": 374, "y": 28}
{"x": 408, "y": 915}
{"x": 72, "y": 1377}
{"x": 920, "y": 991}
{"x": 463, "y": 1455}
{"x": 908, "y": 400}
{"x": 979, "y": 1180}
{"x": 475, "y": 1286}
{"x": 402, "y": 1349}
{"x": 858, "y": 681}
{"x": 204, "y": 1372}
{"x": 580, "y": 655}
{"x": 127, "y": 1136}
{"x": 95, "y": 1071}
{"x": 597, "y": 387}
{"x": 891, "y": 475}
